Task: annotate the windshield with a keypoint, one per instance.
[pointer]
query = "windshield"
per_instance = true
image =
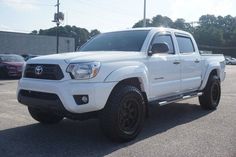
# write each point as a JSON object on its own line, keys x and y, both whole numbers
{"x": 12, "y": 58}
{"x": 117, "y": 41}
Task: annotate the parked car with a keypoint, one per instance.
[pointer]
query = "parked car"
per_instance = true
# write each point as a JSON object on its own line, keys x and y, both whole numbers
{"x": 230, "y": 61}
{"x": 11, "y": 65}
{"x": 117, "y": 75}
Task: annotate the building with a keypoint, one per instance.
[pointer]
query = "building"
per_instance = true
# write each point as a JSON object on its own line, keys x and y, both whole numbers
{"x": 22, "y": 43}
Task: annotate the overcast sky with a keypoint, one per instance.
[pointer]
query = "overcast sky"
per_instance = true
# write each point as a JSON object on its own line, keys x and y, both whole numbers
{"x": 104, "y": 15}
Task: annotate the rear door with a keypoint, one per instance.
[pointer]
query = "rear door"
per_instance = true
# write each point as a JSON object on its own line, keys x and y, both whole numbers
{"x": 190, "y": 63}
{"x": 164, "y": 69}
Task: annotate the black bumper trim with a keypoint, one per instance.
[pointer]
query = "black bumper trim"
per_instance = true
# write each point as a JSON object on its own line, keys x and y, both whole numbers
{"x": 51, "y": 102}
{"x": 29, "y": 98}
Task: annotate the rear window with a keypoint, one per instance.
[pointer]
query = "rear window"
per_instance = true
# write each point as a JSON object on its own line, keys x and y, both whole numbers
{"x": 185, "y": 44}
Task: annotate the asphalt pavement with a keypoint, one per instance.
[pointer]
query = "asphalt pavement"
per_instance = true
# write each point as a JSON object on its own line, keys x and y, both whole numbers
{"x": 180, "y": 129}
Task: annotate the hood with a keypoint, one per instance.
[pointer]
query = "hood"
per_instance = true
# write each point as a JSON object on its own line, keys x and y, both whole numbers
{"x": 17, "y": 64}
{"x": 102, "y": 56}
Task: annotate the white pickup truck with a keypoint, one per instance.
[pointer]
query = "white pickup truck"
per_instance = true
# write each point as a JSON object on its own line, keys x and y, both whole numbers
{"x": 115, "y": 77}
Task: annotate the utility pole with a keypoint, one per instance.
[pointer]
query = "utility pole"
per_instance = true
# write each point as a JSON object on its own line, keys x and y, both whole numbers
{"x": 58, "y": 17}
{"x": 58, "y": 23}
{"x": 144, "y": 14}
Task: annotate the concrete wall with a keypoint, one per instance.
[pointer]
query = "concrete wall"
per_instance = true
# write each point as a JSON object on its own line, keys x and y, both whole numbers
{"x": 21, "y": 43}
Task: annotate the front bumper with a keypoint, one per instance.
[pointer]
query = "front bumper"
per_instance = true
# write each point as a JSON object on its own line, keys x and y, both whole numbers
{"x": 14, "y": 71}
{"x": 14, "y": 74}
{"x": 98, "y": 94}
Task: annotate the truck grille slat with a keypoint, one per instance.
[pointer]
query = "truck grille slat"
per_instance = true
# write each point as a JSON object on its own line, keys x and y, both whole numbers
{"x": 49, "y": 72}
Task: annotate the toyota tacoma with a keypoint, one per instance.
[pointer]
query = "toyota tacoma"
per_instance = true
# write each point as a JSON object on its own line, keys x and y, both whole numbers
{"x": 116, "y": 75}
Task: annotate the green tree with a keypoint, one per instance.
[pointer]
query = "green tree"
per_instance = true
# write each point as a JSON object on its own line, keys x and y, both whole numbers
{"x": 209, "y": 35}
{"x": 218, "y": 33}
{"x": 81, "y": 35}
{"x": 182, "y": 25}
{"x": 94, "y": 32}
{"x": 208, "y": 20}
{"x": 34, "y": 32}
{"x": 161, "y": 21}
{"x": 140, "y": 23}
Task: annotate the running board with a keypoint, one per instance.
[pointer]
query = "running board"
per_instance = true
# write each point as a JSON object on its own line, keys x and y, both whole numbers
{"x": 178, "y": 98}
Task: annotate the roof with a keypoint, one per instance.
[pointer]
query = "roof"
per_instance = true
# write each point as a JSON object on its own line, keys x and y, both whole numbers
{"x": 35, "y": 35}
{"x": 3, "y": 55}
{"x": 156, "y": 28}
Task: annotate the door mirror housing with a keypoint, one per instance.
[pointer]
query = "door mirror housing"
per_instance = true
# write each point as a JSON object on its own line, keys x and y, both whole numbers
{"x": 159, "y": 48}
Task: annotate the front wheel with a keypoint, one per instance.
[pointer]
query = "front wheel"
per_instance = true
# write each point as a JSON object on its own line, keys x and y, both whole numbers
{"x": 211, "y": 94}
{"x": 3, "y": 74}
{"x": 44, "y": 117}
{"x": 123, "y": 116}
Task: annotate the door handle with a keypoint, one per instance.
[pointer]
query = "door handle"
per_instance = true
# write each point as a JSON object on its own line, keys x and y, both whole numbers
{"x": 196, "y": 61}
{"x": 176, "y": 62}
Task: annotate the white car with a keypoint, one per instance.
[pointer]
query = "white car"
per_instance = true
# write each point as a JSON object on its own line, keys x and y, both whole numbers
{"x": 115, "y": 77}
{"x": 230, "y": 61}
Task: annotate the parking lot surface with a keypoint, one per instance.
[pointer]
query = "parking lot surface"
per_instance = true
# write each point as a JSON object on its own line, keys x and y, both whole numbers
{"x": 179, "y": 129}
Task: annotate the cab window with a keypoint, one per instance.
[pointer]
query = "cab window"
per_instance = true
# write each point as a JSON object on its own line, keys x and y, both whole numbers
{"x": 185, "y": 44}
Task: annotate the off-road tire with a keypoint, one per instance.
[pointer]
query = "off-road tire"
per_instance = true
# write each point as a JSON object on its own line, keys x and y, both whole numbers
{"x": 211, "y": 94}
{"x": 44, "y": 117}
{"x": 123, "y": 116}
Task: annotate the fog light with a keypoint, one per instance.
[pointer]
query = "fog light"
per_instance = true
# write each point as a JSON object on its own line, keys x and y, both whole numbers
{"x": 81, "y": 99}
{"x": 84, "y": 99}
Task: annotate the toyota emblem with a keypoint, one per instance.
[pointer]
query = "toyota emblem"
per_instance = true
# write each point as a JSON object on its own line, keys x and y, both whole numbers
{"x": 38, "y": 70}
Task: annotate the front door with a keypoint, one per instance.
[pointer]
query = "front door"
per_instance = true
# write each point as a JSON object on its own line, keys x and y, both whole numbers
{"x": 164, "y": 69}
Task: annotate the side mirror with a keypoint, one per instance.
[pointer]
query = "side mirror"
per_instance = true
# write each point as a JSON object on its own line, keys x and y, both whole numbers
{"x": 159, "y": 48}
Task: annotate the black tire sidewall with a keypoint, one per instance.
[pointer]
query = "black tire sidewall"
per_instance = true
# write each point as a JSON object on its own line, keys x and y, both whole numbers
{"x": 109, "y": 117}
{"x": 206, "y": 99}
{"x": 44, "y": 117}
{"x": 133, "y": 95}
{"x": 215, "y": 83}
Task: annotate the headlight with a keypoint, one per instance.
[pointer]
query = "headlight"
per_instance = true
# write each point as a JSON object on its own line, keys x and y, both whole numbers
{"x": 80, "y": 71}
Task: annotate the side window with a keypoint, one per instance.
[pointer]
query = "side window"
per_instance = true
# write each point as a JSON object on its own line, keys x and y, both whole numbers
{"x": 164, "y": 39}
{"x": 185, "y": 44}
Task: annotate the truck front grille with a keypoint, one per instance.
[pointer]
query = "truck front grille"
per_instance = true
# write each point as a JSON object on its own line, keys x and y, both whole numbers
{"x": 43, "y": 71}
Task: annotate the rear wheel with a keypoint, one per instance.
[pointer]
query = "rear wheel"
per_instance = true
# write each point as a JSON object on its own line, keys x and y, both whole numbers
{"x": 211, "y": 94}
{"x": 44, "y": 117}
{"x": 122, "y": 118}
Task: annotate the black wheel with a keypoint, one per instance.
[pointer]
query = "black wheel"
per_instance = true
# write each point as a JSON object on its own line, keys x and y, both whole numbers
{"x": 44, "y": 116}
{"x": 3, "y": 73}
{"x": 123, "y": 116}
{"x": 211, "y": 94}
